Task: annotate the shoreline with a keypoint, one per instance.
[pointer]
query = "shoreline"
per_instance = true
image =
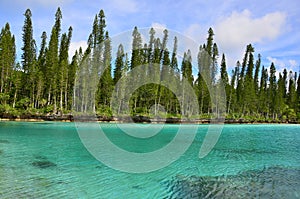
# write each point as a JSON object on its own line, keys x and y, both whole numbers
{"x": 136, "y": 119}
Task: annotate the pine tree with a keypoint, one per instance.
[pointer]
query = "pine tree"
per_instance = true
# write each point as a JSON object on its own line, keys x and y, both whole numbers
{"x": 249, "y": 84}
{"x": 214, "y": 67}
{"x": 279, "y": 100}
{"x": 136, "y": 47}
{"x": 272, "y": 89}
{"x": 204, "y": 80}
{"x": 106, "y": 82}
{"x": 29, "y": 58}
{"x": 263, "y": 98}
{"x": 41, "y": 72}
{"x": 187, "y": 76}
{"x": 63, "y": 68}
{"x": 17, "y": 81}
{"x": 232, "y": 96}
{"x": 119, "y": 64}
{"x": 292, "y": 92}
{"x": 285, "y": 79}
{"x": 7, "y": 59}
{"x": 73, "y": 67}
{"x": 224, "y": 74}
{"x": 298, "y": 95}
{"x": 256, "y": 80}
{"x": 209, "y": 43}
{"x": 225, "y": 82}
{"x": 174, "y": 62}
{"x": 151, "y": 45}
{"x": 28, "y": 48}
{"x": 186, "y": 67}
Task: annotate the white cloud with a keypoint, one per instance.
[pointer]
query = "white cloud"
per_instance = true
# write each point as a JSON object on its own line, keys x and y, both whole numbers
{"x": 156, "y": 25}
{"x": 239, "y": 29}
{"x": 75, "y": 46}
{"x": 278, "y": 63}
{"x": 159, "y": 29}
{"x": 196, "y": 32}
{"x": 281, "y": 64}
{"x": 124, "y": 6}
{"x": 293, "y": 63}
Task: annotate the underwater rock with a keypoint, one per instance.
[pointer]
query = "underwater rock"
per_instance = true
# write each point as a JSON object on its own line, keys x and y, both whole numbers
{"x": 40, "y": 157}
{"x": 44, "y": 164}
{"x": 4, "y": 141}
{"x": 1, "y": 152}
{"x": 273, "y": 182}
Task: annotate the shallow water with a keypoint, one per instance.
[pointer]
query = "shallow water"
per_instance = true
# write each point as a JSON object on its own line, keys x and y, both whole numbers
{"x": 48, "y": 160}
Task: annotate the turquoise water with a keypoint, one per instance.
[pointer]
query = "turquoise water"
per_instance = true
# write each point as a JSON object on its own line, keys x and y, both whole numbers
{"x": 48, "y": 160}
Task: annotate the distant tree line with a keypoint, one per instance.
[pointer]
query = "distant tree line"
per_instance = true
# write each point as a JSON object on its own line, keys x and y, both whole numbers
{"x": 45, "y": 81}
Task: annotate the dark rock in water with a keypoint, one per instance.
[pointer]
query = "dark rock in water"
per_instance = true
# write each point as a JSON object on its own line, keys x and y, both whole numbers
{"x": 4, "y": 141}
{"x": 136, "y": 187}
{"x": 141, "y": 119}
{"x": 44, "y": 164}
{"x": 1, "y": 152}
{"x": 273, "y": 182}
{"x": 40, "y": 157}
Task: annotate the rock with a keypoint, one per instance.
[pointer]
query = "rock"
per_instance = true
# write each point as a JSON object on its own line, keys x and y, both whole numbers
{"x": 4, "y": 141}
{"x": 272, "y": 182}
{"x": 44, "y": 164}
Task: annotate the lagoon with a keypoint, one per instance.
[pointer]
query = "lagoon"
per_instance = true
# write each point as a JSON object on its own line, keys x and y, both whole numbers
{"x": 48, "y": 160}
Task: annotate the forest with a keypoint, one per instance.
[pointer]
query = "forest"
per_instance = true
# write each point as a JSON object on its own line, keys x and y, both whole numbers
{"x": 46, "y": 81}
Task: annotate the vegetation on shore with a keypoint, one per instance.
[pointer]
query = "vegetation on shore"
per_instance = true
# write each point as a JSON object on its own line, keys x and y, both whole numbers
{"x": 43, "y": 83}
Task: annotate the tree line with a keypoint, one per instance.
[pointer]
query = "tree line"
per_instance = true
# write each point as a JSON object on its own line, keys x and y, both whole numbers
{"x": 46, "y": 82}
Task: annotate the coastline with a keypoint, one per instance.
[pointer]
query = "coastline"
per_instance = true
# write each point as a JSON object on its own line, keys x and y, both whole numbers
{"x": 136, "y": 119}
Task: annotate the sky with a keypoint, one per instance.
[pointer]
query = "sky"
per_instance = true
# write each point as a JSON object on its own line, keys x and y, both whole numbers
{"x": 271, "y": 26}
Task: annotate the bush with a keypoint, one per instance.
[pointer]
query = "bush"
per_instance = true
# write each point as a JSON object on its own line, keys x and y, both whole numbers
{"x": 23, "y": 103}
{"x": 104, "y": 111}
{"x": 48, "y": 109}
{"x": 291, "y": 114}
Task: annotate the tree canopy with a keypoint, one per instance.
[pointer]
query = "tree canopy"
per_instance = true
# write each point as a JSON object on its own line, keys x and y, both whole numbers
{"x": 43, "y": 81}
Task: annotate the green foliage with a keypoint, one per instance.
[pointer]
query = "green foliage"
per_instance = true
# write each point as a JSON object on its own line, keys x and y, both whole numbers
{"x": 23, "y": 103}
{"x": 44, "y": 80}
{"x": 104, "y": 110}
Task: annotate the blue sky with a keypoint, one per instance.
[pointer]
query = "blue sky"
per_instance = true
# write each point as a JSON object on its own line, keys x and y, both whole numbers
{"x": 272, "y": 26}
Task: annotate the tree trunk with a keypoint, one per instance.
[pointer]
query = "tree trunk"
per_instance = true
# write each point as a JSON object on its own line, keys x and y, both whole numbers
{"x": 54, "y": 104}
{"x": 15, "y": 98}
{"x": 66, "y": 95}
{"x": 49, "y": 96}
{"x": 61, "y": 99}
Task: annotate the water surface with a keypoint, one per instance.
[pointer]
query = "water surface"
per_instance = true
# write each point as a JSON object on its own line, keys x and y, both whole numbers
{"x": 48, "y": 160}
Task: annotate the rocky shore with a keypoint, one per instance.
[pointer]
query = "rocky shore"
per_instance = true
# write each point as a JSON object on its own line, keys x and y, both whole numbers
{"x": 135, "y": 119}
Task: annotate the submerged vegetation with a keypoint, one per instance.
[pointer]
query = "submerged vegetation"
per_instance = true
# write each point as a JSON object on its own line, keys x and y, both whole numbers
{"x": 43, "y": 82}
